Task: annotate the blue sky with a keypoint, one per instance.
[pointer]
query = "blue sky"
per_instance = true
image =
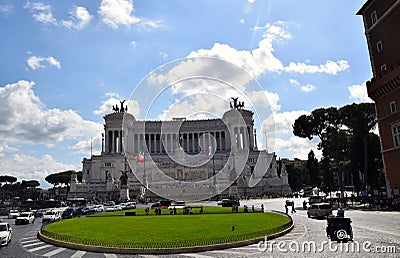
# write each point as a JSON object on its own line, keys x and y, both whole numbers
{"x": 65, "y": 63}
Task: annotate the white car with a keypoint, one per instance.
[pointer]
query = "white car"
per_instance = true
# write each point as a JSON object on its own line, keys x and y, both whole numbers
{"x": 13, "y": 214}
{"x": 5, "y": 233}
{"x": 109, "y": 208}
{"x": 319, "y": 210}
{"x": 25, "y": 218}
{"x": 51, "y": 216}
{"x": 99, "y": 208}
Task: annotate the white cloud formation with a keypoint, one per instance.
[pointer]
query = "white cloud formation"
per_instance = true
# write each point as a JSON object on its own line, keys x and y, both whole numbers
{"x": 281, "y": 122}
{"x": 36, "y": 62}
{"x": 305, "y": 88}
{"x": 25, "y": 167}
{"x": 79, "y": 18}
{"x": 330, "y": 67}
{"x": 295, "y": 147}
{"x": 41, "y": 12}
{"x": 27, "y": 119}
{"x": 113, "y": 99}
{"x": 359, "y": 93}
{"x": 119, "y": 12}
{"x": 6, "y": 9}
{"x": 262, "y": 58}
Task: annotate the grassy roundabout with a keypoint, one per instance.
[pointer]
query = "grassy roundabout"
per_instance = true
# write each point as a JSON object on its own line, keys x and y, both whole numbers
{"x": 172, "y": 231}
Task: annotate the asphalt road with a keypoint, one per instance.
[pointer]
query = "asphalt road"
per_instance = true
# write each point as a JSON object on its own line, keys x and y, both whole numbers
{"x": 376, "y": 234}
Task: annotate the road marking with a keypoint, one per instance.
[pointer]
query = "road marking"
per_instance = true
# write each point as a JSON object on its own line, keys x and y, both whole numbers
{"x": 228, "y": 252}
{"x": 110, "y": 255}
{"x": 39, "y": 248}
{"x": 54, "y": 252}
{"x": 78, "y": 254}
{"x": 26, "y": 238}
{"x": 33, "y": 244}
{"x": 29, "y": 241}
{"x": 197, "y": 255}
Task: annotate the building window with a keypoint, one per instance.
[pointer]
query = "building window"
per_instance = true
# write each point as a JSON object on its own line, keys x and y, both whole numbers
{"x": 379, "y": 46}
{"x": 396, "y": 134}
{"x": 383, "y": 68}
{"x": 374, "y": 18}
{"x": 393, "y": 107}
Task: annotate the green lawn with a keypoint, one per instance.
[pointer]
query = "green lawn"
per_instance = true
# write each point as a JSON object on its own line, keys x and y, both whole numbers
{"x": 166, "y": 230}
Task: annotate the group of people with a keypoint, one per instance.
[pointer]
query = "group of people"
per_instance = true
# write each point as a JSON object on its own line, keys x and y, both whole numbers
{"x": 288, "y": 204}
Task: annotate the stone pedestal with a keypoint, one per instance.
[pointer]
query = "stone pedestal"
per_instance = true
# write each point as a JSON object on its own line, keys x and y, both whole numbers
{"x": 124, "y": 194}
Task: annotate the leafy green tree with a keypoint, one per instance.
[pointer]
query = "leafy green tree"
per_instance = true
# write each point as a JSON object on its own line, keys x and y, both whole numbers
{"x": 8, "y": 179}
{"x": 360, "y": 119}
{"x": 30, "y": 184}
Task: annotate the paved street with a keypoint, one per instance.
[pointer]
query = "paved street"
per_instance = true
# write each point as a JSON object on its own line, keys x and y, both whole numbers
{"x": 376, "y": 234}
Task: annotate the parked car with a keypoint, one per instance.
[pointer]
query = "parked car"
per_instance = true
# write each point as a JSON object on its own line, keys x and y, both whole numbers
{"x": 39, "y": 213}
{"x": 88, "y": 210}
{"x": 99, "y": 208}
{"x": 109, "y": 208}
{"x": 25, "y": 218}
{"x": 69, "y": 213}
{"x": 315, "y": 199}
{"x": 51, "y": 216}
{"x": 228, "y": 203}
{"x": 161, "y": 204}
{"x": 131, "y": 205}
{"x": 319, "y": 210}
{"x": 117, "y": 207}
{"x": 13, "y": 214}
{"x": 5, "y": 233}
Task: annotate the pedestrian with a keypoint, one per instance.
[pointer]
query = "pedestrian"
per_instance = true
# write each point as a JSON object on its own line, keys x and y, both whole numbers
{"x": 262, "y": 207}
{"x": 293, "y": 210}
{"x": 340, "y": 212}
{"x": 174, "y": 210}
{"x": 286, "y": 208}
{"x": 252, "y": 208}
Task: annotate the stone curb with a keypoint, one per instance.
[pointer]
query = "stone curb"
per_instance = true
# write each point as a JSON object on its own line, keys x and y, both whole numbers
{"x": 195, "y": 249}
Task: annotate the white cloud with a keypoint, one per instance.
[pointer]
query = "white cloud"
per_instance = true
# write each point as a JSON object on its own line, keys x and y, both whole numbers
{"x": 41, "y": 12}
{"x": 79, "y": 18}
{"x": 113, "y": 99}
{"x": 27, "y": 120}
{"x": 330, "y": 67}
{"x": 305, "y": 88}
{"x": 281, "y": 122}
{"x": 295, "y": 147}
{"x": 262, "y": 58}
{"x": 119, "y": 12}
{"x": 196, "y": 106}
{"x": 6, "y": 9}
{"x": 36, "y": 62}
{"x": 359, "y": 93}
{"x": 26, "y": 167}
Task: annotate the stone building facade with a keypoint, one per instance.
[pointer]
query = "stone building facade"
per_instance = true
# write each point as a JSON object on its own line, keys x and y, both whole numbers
{"x": 381, "y": 22}
{"x": 181, "y": 159}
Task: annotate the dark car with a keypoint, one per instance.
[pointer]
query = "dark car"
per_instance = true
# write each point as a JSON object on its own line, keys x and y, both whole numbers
{"x": 161, "y": 204}
{"x": 229, "y": 203}
{"x": 88, "y": 211}
{"x": 69, "y": 213}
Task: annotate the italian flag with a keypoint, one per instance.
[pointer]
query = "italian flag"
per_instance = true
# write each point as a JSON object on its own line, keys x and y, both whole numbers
{"x": 140, "y": 157}
{"x": 210, "y": 150}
